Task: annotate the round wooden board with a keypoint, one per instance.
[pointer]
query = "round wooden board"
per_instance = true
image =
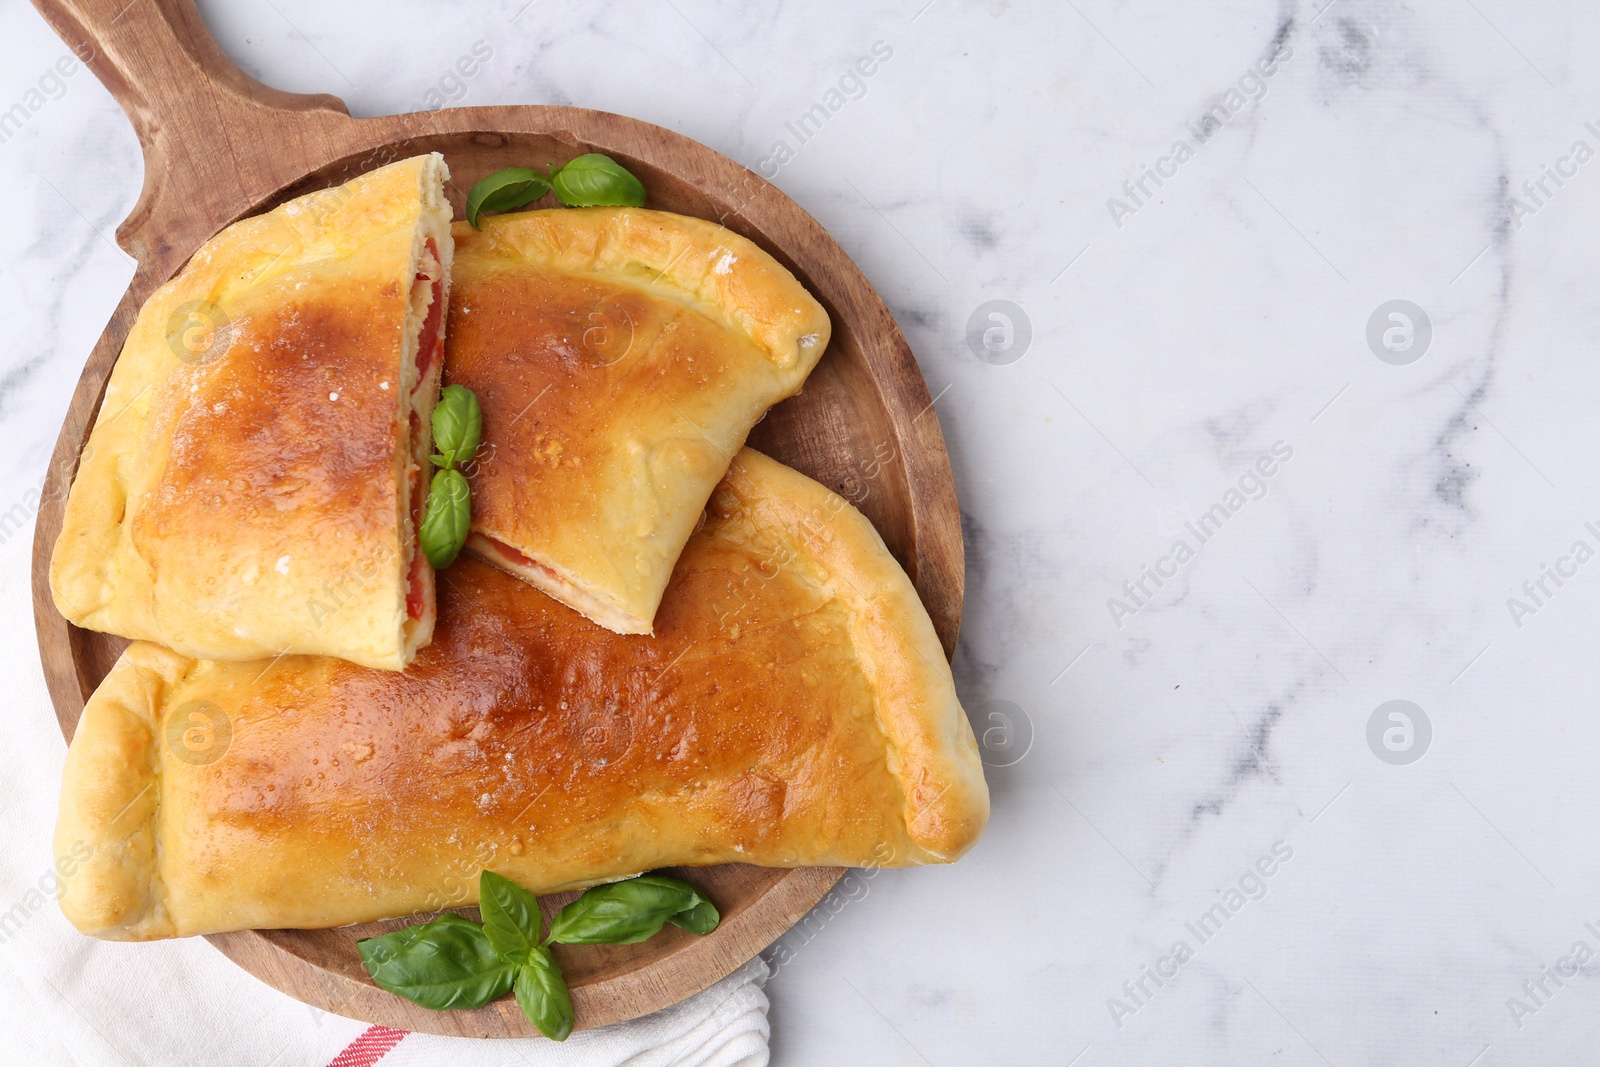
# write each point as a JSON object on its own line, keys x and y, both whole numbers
{"x": 218, "y": 147}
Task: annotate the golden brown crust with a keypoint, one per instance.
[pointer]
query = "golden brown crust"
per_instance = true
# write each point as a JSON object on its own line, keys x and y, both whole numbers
{"x": 621, "y": 357}
{"x": 106, "y": 833}
{"x": 793, "y": 709}
{"x": 931, "y": 748}
{"x": 243, "y": 491}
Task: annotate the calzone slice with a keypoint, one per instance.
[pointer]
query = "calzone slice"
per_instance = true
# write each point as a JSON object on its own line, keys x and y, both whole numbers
{"x": 794, "y": 708}
{"x": 257, "y": 470}
{"x": 621, "y": 357}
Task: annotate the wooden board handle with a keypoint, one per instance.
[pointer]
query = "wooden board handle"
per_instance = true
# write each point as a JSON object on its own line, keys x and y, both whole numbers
{"x": 203, "y": 123}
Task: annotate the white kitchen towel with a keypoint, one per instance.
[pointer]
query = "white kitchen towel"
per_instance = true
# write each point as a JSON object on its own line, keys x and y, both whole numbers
{"x": 726, "y": 1026}
{"x": 69, "y": 999}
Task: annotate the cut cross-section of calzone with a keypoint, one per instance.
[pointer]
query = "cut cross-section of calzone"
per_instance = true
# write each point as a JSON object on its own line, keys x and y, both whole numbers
{"x": 794, "y": 708}
{"x": 255, "y": 477}
{"x": 621, "y": 357}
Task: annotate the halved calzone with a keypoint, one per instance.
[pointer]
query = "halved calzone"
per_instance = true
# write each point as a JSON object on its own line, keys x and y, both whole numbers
{"x": 621, "y": 356}
{"x": 794, "y": 708}
{"x": 256, "y": 474}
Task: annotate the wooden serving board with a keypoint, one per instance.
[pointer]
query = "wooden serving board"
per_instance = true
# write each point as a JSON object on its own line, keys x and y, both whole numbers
{"x": 219, "y": 146}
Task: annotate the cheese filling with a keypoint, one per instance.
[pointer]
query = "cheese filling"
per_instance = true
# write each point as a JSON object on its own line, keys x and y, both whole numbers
{"x": 587, "y": 602}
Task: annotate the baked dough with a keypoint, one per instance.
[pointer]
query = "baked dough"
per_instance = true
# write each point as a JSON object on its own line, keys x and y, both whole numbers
{"x": 253, "y": 480}
{"x": 794, "y": 708}
{"x": 621, "y": 357}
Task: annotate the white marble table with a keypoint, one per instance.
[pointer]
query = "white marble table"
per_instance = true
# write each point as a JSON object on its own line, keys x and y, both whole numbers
{"x": 1190, "y": 365}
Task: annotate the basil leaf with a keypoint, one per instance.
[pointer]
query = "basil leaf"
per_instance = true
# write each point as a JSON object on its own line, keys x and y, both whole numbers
{"x": 542, "y": 994}
{"x": 510, "y": 917}
{"x": 447, "y": 963}
{"x": 505, "y": 190}
{"x": 457, "y": 425}
{"x": 595, "y": 180}
{"x": 700, "y": 919}
{"x": 444, "y": 528}
{"x": 624, "y": 913}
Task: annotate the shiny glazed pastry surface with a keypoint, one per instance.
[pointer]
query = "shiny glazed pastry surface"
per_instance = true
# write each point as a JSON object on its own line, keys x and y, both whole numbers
{"x": 794, "y": 708}
{"x": 246, "y": 489}
{"x": 621, "y": 357}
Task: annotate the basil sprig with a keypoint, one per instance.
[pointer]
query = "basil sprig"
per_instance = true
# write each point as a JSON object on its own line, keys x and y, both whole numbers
{"x": 444, "y": 528}
{"x": 457, "y": 426}
{"x": 511, "y": 921}
{"x": 456, "y": 963}
{"x": 542, "y": 995}
{"x": 625, "y": 913}
{"x": 510, "y": 916}
{"x": 457, "y": 432}
{"x": 595, "y": 180}
{"x": 448, "y": 963}
{"x": 505, "y": 190}
{"x": 590, "y": 180}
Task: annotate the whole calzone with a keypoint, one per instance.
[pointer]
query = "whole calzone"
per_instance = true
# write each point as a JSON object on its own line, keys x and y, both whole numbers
{"x": 794, "y": 708}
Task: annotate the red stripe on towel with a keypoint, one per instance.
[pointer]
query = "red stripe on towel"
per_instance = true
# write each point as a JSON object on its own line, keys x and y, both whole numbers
{"x": 370, "y": 1047}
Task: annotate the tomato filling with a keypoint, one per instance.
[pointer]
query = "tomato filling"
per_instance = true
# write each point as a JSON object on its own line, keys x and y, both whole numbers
{"x": 428, "y": 344}
{"x": 416, "y": 593}
{"x": 429, "y": 348}
{"x": 511, "y": 554}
